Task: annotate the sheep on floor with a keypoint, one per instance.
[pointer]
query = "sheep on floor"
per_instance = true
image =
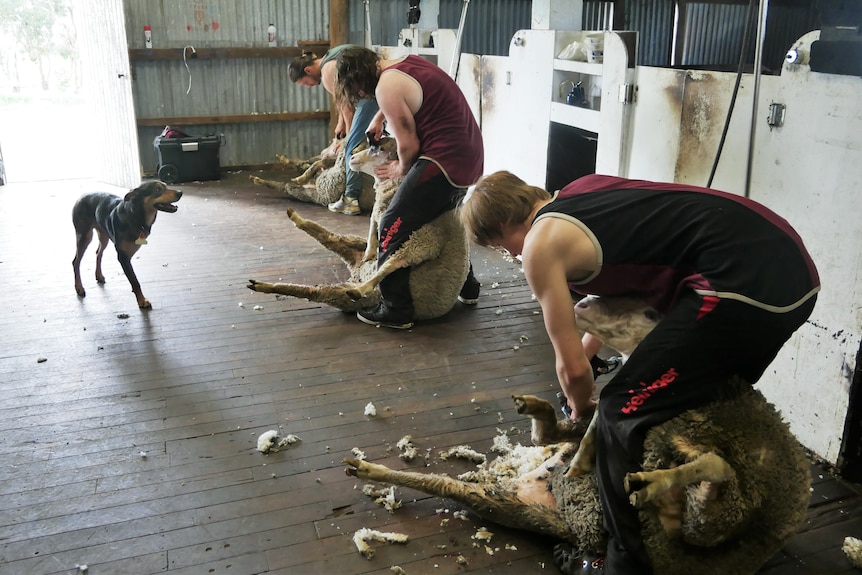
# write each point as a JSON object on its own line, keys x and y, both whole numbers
{"x": 438, "y": 254}
{"x": 722, "y": 487}
{"x": 327, "y": 154}
{"x": 323, "y": 180}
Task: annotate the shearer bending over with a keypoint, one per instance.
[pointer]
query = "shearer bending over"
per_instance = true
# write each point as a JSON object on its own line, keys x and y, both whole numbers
{"x": 731, "y": 277}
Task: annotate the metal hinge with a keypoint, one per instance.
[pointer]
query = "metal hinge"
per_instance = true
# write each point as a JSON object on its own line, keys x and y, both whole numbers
{"x": 627, "y": 94}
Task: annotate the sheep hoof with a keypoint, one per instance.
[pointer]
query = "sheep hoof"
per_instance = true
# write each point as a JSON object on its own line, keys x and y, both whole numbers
{"x": 576, "y": 470}
{"x": 351, "y": 471}
{"x": 355, "y": 467}
{"x": 255, "y": 285}
{"x": 294, "y": 217}
{"x": 530, "y": 404}
{"x": 520, "y": 404}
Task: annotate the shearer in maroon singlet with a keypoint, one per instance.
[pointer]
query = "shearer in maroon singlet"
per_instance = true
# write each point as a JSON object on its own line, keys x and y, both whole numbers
{"x": 731, "y": 278}
{"x": 440, "y": 154}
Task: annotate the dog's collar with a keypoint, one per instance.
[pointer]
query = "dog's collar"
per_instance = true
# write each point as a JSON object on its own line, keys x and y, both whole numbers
{"x": 142, "y": 236}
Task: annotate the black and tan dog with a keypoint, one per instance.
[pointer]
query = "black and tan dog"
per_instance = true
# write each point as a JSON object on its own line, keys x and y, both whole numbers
{"x": 125, "y": 221}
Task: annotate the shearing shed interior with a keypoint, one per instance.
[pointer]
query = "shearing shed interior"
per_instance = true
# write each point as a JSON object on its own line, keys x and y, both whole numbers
{"x": 132, "y": 438}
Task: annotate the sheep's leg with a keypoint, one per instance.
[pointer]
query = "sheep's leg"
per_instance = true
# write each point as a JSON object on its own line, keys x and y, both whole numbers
{"x": 705, "y": 467}
{"x": 268, "y": 183}
{"x": 584, "y": 460}
{"x": 349, "y": 248}
{"x": 392, "y": 264}
{"x": 409, "y": 254}
{"x": 373, "y": 241}
{"x": 545, "y": 427}
{"x": 300, "y": 165}
{"x": 313, "y": 171}
{"x": 291, "y": 190}
{"x": 490, "y": 503}
{"x": 334, "y": 295}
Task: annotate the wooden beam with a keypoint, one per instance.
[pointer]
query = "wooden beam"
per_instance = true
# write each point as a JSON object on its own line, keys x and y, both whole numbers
{"x": 144, "y": 55}
{"x": 339, "y": 28}
{"x": 339, "y": 23}
{"x": 232, "y": 119}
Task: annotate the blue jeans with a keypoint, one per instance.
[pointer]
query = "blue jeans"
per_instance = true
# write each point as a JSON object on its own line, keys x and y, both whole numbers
{"x": 365, "y": 111}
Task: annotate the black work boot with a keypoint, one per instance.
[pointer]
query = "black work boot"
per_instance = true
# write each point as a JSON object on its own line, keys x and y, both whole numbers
{"x": 396, "y": 308}
{"x": 383, "y": 316}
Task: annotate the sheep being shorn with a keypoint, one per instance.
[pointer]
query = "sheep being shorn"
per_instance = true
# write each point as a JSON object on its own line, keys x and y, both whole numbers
{"x": 438, "y": 254}
{"x": 301, "y": 165}
{"x": 722, "y": 487}
{"x": 322, "y": 182}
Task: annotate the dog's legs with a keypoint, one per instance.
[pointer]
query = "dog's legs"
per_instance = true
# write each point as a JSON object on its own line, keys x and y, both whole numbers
{"x": 126, "y": 263}
{"x": 83, "y": 240}
{"x": 100, "y": 251}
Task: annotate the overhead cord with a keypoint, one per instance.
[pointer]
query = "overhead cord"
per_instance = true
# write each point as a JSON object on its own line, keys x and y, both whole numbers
{"x": 186, "y": 62}
{"x": 749, "y": 20}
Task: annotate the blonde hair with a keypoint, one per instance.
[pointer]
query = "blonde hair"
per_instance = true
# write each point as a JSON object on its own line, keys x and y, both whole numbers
{"x": 497, "y": 199}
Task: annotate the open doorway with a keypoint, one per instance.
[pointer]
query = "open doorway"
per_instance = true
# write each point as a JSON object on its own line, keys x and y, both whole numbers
{"x": 44, "y": 115}
{"x": 66, "y": 107}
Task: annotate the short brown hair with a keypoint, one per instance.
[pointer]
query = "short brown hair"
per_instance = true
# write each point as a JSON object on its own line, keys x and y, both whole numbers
{"x": 497, "y": 199}
{"x": 356, "y": 74}
{"x": 296, "y": 68}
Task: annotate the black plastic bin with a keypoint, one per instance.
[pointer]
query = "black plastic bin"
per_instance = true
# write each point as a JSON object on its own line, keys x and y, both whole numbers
{"x": 188, "y": 159}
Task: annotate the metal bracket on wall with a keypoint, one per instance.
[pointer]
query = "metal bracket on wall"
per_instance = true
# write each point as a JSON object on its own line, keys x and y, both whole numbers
{"x": 627, "y": 93}
{"x": 776, "y": 115}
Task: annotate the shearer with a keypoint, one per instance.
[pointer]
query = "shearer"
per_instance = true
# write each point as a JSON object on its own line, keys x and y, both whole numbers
{"x": 731, "y": 277}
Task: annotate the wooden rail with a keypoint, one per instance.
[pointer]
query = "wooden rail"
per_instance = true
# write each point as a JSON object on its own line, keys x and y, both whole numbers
{"x": 232, "y": 119}
{"x": 144, "y": 55}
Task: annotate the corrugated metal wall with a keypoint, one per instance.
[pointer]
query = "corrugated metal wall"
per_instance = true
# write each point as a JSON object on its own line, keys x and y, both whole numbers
{"x": 653, "y": 21}
{"x": 712, "y": 34}
{"x": 230, "y": 86}
{"x": 488, "y": 28}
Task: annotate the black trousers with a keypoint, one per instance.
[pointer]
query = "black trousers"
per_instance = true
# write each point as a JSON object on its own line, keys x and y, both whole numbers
{"x": 682, "y": 364}
{"x": 424, "y": 194}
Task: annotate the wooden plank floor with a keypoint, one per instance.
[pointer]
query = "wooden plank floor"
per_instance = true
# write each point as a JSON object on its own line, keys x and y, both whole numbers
{"x": 195, "y": 381}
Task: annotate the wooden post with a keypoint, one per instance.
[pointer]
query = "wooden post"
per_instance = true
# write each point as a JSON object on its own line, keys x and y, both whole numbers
{"x": 339, "y": 28}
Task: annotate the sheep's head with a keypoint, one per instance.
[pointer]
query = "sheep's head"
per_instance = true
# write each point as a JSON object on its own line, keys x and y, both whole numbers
{"x": 620, "y": 322}
{"x": 364, "y": 160}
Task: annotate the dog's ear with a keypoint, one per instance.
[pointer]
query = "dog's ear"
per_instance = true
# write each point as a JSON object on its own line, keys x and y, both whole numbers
{"x": 146, "y": 189}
